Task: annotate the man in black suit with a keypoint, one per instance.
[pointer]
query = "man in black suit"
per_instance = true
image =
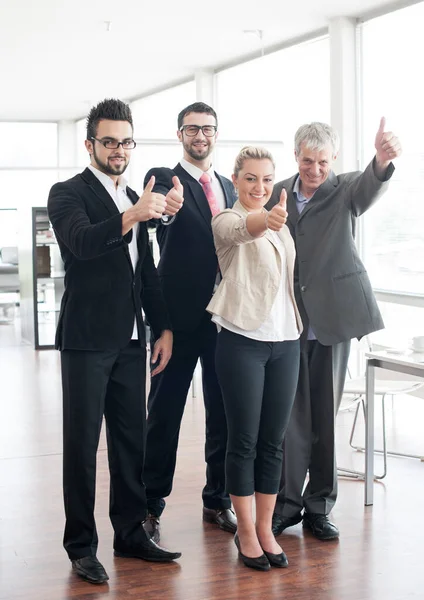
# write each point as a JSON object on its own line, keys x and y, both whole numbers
{"x": 110, "y": 277}
{"x": 336, "y": 302}
{"x": 188, "y": 269}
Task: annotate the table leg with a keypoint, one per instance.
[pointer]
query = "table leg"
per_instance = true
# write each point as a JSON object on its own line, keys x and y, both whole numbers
{"x": 369, "y": 434}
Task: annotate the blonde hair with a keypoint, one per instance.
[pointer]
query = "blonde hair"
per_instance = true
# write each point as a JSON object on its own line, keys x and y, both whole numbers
{"x": 251, "y": 152}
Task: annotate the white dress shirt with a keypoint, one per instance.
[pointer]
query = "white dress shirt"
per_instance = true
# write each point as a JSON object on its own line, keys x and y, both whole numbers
{"x": 118, "y": 193}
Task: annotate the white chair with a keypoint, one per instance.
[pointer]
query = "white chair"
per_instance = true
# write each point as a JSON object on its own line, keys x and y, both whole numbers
{"x": 356, "y": 388}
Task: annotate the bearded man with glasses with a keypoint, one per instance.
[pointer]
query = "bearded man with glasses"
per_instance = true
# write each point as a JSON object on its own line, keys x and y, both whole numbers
{"x": 188, "y": 269}
{"x": 110, "y": 277}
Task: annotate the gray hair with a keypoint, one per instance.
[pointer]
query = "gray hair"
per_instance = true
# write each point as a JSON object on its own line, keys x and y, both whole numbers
{"x": 251, "y": 152}
{"x": 316, "y": 136}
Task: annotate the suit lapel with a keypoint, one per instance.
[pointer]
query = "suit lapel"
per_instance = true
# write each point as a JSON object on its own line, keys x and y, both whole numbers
{"x": 293, "y": 213}
{"x": 141, "y": 236}
{"x": 100, "y": 191}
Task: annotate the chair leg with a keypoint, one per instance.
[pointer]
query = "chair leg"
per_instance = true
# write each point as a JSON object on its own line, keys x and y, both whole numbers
{"x": 383, "y": 421}
{"x": 360, "y": 474}
{"x": 352, "y": 431}
{"x": 384, "y": 451}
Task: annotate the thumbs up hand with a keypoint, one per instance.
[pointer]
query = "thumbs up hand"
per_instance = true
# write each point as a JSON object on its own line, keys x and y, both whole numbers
{"x": 277, "y": 216}
{"x": 174, "y": 198}
{"x": 150, "y": 205}
{"x": 387, "y": 146}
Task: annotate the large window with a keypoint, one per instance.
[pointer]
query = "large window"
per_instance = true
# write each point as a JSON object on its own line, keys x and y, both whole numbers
{"x": 392, "y": 87}
{"x": 267, "y": 99}
{"x": 155, "y": 126}
{"x": 25, "y": 187}
{"x": 401, "y": 322}
{"x": 28, "y": 163}
{"x": 155, "y": 117}
{"x": 28, "y": 145}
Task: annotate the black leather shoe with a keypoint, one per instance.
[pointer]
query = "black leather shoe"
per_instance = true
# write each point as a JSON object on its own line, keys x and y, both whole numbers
{"x": 280, "y": 523}
{"x": 277, "y": 560}
{"x": 90, "y": 569}
{"x": 320, "y": 526}
{"x": 260, "y": 563}
{"x": 146, "y": 550}
{"x": 224, "y": 518}
{"x": 152, "y": 527}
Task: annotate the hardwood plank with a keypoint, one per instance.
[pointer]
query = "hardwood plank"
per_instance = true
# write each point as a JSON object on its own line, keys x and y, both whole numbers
{"x": 379, "y": 555}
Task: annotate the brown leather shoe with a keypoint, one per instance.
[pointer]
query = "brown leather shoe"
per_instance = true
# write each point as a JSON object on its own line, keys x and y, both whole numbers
{"x": 152, "y": 527}
{"x": 224, "y": 518}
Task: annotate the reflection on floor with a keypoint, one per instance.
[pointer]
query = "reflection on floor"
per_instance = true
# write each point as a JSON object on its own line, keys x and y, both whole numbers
{"x": 379, "y": 555}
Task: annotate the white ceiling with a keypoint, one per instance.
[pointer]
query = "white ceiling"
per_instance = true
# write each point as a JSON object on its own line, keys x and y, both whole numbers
{"x": 57, "y": 57}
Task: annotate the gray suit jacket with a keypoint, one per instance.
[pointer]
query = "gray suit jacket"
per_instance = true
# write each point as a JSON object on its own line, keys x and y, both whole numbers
{"x": 332, "y": 288}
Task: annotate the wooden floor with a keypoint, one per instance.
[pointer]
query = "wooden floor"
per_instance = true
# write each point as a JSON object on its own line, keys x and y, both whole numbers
{"x": 379, "y": 555}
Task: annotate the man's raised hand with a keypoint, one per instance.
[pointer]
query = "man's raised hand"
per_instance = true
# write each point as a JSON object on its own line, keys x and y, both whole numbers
{"x": 387, "y": 145}
{"x": 149, "y": 206}
{"x": 174, "y": 198}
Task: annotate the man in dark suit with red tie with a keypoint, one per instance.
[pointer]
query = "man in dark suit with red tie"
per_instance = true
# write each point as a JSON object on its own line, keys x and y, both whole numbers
{"x": 188, "y": 270}
{"x": 110, "y": 277}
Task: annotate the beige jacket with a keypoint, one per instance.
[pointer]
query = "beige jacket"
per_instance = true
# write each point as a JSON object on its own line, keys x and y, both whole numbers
{"x": 251, "y": 270}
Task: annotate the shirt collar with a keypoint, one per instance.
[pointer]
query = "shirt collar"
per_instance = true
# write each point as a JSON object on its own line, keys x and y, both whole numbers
{"x": 194, "y": 171}
{"x": 107, "y": 181}
{"x": 299, "y": 196}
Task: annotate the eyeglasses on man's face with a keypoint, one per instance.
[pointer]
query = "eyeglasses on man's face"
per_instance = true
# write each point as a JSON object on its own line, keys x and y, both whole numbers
{"x": 192, "y": 130}
{"x": 112, "y": 144}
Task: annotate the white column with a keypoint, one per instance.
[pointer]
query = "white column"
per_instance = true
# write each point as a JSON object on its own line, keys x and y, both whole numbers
{"x": 344, "y": 113}
{"x": 345, "y": 118}
{"x": 205, "y": 88}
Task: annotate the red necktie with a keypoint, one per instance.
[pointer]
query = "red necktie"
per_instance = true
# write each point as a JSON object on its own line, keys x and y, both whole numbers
{"x": 205, "y": 180}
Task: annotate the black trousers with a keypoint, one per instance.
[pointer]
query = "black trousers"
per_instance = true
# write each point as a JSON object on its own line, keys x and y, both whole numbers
{"x": 258, "y": 381}
{"x": 110, "y": 383}
{"x": 310, "y": 439}
{"x": 166, "y": 404}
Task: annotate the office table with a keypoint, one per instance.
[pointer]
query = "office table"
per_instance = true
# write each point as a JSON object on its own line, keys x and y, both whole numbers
{"x": 408, "y": 362}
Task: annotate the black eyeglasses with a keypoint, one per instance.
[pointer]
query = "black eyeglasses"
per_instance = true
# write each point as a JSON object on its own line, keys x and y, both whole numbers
{"x": 114, "y": 144}
{"x": 192, "y": 130}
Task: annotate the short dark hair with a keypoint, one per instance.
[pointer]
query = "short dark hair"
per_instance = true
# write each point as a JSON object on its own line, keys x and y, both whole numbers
{"x": 196, "y": 107}
{"x": 110, "y": 109}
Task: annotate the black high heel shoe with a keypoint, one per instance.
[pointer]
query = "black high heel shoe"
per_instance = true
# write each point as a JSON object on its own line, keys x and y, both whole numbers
{"x": 261, "y": 563}
{"x": 277, "y": 560}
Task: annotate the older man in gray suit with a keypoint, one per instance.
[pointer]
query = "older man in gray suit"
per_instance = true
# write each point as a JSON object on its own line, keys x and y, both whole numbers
{"x": 336, "y": 301}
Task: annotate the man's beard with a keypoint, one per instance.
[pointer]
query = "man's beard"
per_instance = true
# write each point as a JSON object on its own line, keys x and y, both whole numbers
{"x": 108, "y": 169}
{"x": 196, "y": 154}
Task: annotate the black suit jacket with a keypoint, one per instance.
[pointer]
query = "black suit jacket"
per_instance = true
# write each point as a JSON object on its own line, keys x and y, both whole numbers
{"x": 188, "y": 264}
{"x": 332, "y": 288}
{"x": 102, "y": 294}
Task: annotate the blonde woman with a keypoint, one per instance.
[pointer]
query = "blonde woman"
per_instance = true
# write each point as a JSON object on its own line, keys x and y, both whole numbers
{"x": 257, "y": 357}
